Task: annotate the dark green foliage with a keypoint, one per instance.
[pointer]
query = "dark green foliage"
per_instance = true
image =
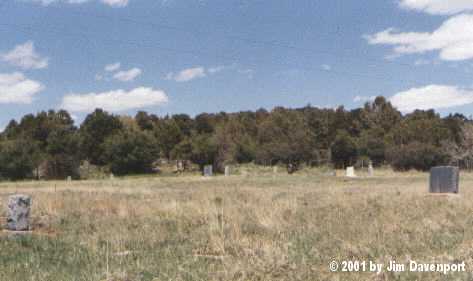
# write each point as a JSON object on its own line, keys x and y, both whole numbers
{"x": 145, "y": 121}
{"x": 18, "y": 159}
{"x": 344, "y": 150}
{"x": 203, "y": 150}
{"x": 417, "y": 156}
{"x": 96, "y": 127}
{"x": 372, "y": 144}
{"x": 130, "y": 152}
{"x": 284, "y": 137}
{"x": 48, "y": 143}
{"x": 235, "y": 145}
{"x": 167, "y": 133}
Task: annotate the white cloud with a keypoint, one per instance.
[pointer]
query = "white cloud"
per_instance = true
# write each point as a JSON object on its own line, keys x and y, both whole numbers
{"x": 116, "y": 3}
{"x": 128, "y": 75}
{"x": 25, "y": 56}
{"x": 364, "y": 98}
{"x": 115, "y": 101}
{"x": 438, "y": 7}
{"x": 453, "y": 39}
{"x": 187, "y": 74}
{"x": 326, "y": 67}
{"x": 112, "y": 67}
{"x": 216, "y": 69}
{"x": 432, "y": 97}
{"x": 16, "y": 88}
{"x": 420, "y": 62}
{"x": 112, "y": 3}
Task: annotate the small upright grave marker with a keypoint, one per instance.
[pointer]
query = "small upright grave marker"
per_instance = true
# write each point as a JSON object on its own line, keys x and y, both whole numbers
{"x": 112, "y": 176}
{"x": 444, "y": 179}
{"x": 370, "y": 170}
{"x": 351, "y": 172}
{"x": 208, "y": 171}
{"x": 227, "y": 171}
{"x": 69, "y": 178}
{"x": 18, "y": 213}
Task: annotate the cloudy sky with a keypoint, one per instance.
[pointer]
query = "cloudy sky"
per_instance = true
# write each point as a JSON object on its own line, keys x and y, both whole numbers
{"x": 174, "y": 56}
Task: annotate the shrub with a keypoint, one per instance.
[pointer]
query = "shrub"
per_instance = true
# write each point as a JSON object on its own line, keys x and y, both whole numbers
{"x": 131, "y": 152}
{"x": 417, "y": 156}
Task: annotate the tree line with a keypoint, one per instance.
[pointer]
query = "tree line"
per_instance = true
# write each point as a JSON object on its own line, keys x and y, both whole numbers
{"x": 48, "y": 143}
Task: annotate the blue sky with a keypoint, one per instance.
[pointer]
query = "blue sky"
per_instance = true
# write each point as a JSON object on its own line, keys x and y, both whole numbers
{"x": 191, "y": 56}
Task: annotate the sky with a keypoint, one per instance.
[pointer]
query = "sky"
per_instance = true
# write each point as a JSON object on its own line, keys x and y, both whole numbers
{"x": 193, "y": 56}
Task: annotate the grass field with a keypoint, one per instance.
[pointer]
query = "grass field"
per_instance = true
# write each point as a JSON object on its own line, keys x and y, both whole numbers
{"x": 256, "y": 226}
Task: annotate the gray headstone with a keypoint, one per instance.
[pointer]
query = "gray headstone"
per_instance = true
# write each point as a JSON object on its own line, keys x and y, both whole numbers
{"x": 227, "y": 171}
{"x": 112, "y": 176}
{"x": 444, "y": 179}
{"x": 208, "y": 171}
{"x": 18, "y": 218}
{"x": 69, "y": 178}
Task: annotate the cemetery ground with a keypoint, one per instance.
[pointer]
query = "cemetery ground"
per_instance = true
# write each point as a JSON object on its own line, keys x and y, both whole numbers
{"x": 253, "y": 226}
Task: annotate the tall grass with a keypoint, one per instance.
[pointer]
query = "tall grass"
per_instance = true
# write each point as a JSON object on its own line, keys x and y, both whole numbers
{"x": 253, "y": 226}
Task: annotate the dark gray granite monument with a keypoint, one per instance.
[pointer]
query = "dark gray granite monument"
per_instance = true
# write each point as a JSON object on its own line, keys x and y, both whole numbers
{"x": 444, "y": 179}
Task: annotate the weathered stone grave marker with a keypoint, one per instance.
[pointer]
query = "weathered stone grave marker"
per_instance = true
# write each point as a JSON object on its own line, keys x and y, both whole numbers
{"x": 370, "y": 170}
{"x": 112, "y": 176}
{"x": 18, "y": 213}
{"x": 444, "y": 179}
{"x": 227, "y": 170}
{"x": 69, "y": 178}
{"x": 351, "y": 172}
{"x": 208, "y": 171}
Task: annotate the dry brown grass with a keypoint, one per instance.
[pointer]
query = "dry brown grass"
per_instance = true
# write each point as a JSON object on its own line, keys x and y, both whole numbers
{"x": 256, "y": 226}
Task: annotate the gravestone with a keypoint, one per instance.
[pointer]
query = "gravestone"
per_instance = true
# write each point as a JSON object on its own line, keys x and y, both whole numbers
{"x": 69, "y": 178}
{"x": 227, "y": 171}
{"x": 112, "y": 176}
{"x": 370, "y": 170}
{"x": 208, "y": 171}
{"x": 180, "y": 166}
{"x": 275, "y": 169}
{"x": 350, "y": 172}
{"x": 444, "y": 179}
{"x": 18, "y": 214}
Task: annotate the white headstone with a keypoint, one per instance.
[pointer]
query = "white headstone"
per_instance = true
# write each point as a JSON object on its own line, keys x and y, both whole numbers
{"x": 370, "y": 170}
{"x": 69, "y": 178}
{"x": 18, "y": 213}
{"x": 112, "y": 176}
{"x": 351, "y": 172}
{"x": 180, "y": 166}
{"x": 227, "y": 171}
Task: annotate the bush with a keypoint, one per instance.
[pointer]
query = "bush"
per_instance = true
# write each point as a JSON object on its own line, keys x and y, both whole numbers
{"x": 417, "y": 156}
{"x": 131, "y": 152}
{"x": 344, "y": 150}
{"x": 17, "y": 159}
